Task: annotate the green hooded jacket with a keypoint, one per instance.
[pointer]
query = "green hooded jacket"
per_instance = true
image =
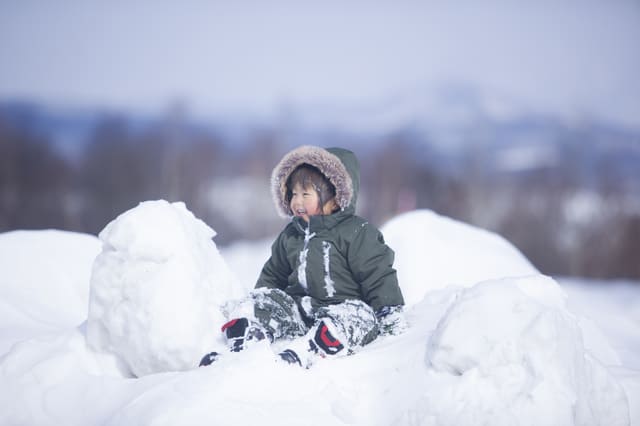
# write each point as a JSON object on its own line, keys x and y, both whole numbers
{"x": 334, "y": 257}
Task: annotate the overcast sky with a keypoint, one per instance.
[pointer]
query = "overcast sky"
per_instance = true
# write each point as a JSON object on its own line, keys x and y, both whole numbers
{"x": 564, "y": 56}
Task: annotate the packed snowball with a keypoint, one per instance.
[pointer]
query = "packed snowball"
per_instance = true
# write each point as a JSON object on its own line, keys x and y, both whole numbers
{"x": 156, "y": 289}
{"x": 513, "y": 353}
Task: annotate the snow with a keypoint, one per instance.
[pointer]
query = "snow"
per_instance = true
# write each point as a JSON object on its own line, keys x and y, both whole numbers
{"x": 526, "y": 157}
{"x": 616, "y": 308}
{"x": 157, "y": 289}
{"x": 532, "y": 369}
{"x": 433, "y": 252}
{"x": 42, "y": 271}
{"x": 328, "y": 282}
{"x": 490, "y": 340}
{"x": 302, "y": 268}
{"x": 583, "y": 207}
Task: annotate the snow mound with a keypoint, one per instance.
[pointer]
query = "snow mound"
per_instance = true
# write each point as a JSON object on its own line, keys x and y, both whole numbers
{"x": 156, "y": 289}
{"x": 28, "y": 306}
{"x": 434, "y": 251}
{"x": 511, "y": 350}
{"x": 64, "y": 260}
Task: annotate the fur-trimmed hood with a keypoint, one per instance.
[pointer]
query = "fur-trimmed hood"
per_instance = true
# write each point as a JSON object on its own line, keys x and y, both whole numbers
{"x": 339, "y": 165}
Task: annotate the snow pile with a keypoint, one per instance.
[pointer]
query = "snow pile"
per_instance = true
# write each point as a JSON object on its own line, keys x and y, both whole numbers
{"x": 156, "y": 289}
{"x": 433, "y": 252}
{"x": 513, "y": 354}
{"x": 613, "y": 305}
{"x": 28, "y": 304}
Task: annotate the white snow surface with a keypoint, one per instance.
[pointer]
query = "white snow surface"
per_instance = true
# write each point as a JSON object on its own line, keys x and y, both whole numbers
{"x": 511, "y": 350}
{"x": 490, "y": 342}
{"x": 433, "y": 252}
{"x": 157, "y": 289}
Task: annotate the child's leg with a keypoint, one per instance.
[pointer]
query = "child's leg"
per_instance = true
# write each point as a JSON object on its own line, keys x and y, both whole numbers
{"x": 353, "y": 322}
{"x": 264, "y": 313}
{"x": 278, "y": 313}
{"x": 339, "y": 330}
{"x": 273, "y": 310}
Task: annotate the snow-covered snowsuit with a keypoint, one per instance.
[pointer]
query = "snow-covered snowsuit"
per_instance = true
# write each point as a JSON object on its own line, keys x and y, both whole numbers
{"x": 336, "y": 266}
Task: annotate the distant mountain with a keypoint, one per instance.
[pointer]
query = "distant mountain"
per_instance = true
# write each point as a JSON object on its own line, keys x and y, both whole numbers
{"x": 446, "y": 127}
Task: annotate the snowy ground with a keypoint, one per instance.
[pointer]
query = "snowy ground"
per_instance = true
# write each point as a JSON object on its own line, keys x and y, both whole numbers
{"x": 490, "y": 340}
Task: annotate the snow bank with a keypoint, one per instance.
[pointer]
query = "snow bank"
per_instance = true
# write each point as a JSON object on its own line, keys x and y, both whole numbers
{"x": 615, "y": 307}
{"x": 32, "y": 265}
{"x": 434, "y": 251}
{"x": 157, "y": 288}
{"x": 508, "y": 352}
{"x": 246, "y": 259}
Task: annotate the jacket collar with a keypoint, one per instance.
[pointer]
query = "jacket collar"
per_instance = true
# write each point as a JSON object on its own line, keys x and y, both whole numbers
{"x": 320, "y": 222}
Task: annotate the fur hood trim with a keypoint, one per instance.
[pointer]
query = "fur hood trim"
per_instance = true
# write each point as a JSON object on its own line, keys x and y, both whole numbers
{"x": 329, "y": 164}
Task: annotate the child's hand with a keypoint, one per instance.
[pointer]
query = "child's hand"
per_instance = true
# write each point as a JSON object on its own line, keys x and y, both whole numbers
{"x": 391, "y": 320}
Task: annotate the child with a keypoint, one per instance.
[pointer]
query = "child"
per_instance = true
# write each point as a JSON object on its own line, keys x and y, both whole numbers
{"x": 329, "y": 279}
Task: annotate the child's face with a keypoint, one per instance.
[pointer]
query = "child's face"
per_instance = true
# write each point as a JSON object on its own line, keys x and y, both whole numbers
{"x": 305, "y": 203}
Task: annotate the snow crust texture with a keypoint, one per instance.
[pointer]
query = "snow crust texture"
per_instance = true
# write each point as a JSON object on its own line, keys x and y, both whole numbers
{"x": 513, "y": 353}
{"x": 156, "y": 289}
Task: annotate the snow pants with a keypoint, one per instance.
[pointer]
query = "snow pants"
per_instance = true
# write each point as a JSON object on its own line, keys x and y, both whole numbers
{"x": 286, "y": 318}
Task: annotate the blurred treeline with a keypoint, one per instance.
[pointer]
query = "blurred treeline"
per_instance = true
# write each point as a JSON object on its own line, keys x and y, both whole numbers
{"x": 567, "y": 196}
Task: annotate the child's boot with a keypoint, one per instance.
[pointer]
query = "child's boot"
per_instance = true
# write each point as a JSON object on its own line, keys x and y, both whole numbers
{"x": 209, "y": 359}
{"x": 326, "y": 339}
{"x": 240, "y": 332}
{"x": 320, "y": 341}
